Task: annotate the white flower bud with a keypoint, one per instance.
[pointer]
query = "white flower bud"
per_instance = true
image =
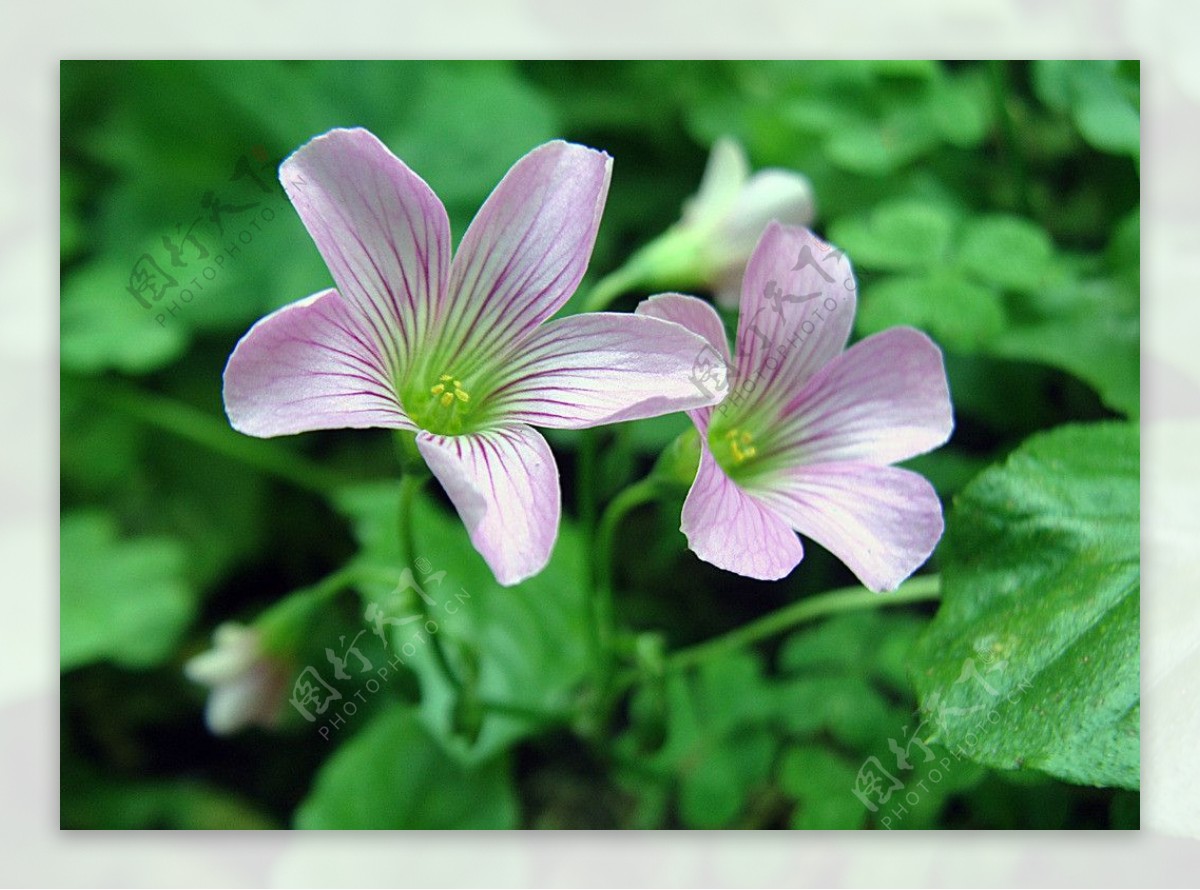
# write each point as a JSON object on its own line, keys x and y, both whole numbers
{"x": 718, "y": 231}
{"x": 733, "y": 207}
{"x": 247, "y": 685}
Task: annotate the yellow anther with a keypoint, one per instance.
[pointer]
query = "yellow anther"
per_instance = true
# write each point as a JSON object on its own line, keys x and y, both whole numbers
{"x": 446, "y": 378}
{"x": 462, "y": 395}
{"x": 739, "y": 445}
{"x": 438, "y": 389}
{"x": 446, "y": 399}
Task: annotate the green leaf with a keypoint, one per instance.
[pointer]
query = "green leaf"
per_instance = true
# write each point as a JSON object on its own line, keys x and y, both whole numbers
{"x": 822, "y": 783}
{"x": 718, "y": 743}
{"x": 873, "y": 643}
{"x": 897, "y": 236}
{"x": 958, "y": 313}
{"x": 1102, "y": 97}
{"x": 393, "y": 775}
{"x": 104, "y": 327}
{"x": 122, "y": 600}
{"x": 95, "y": 801}
{"x": 1032, "y": 660}
{"x": 1103, "y": 351}
{"x": 523, "y": 645}
{"x": 1007, "y": 251}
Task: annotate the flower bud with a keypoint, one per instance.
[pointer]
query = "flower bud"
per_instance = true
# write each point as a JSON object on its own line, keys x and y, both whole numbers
{"x": 720, "y": 226}
{"x": 247, "y": 685}
{"x": 732, "y": 209}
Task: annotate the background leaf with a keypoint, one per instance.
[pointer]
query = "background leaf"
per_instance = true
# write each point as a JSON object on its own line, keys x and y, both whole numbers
{"x": 123, "y": 600}
{"x": 392, "y": 775}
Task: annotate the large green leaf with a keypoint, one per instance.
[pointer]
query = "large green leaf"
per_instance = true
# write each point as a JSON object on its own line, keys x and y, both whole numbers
{"x": 524, "y": 645}
{"x": 393, "y": 775}
{"x": 124, "y": 601}
{"x": 1032, "y": 660}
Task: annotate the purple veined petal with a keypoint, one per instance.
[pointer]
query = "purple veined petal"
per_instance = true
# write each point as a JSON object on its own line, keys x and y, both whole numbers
{"x": 727, "y": 527}
{"x": 883, "y": 400}
{"x": 525, "y": 252}
{"x": 602, "y": 367}
{"x": 797, "y": 308}
{"x": 882, "y": 522}
{"x": 381, "y": 230}
{"x": 311, "y": 365}
{"x": 711, "y": 369}
{"x": 504, "y": 484}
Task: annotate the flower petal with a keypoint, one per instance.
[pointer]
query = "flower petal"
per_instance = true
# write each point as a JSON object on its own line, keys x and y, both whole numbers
{"x": 727, "y": 170}
{"x": 311, "y": 365}
{"x": 504, "y": 484}
{"x": 602, "y": 367}
{"x": 727, "y": 527}
{"x": 797, "y": 308}
{"x": 527, "y": 249}
{"x": 882, "y": 522}
{"x": 883, "y": 400}
{"x": 770, "y": 194}
{"x": 382, "y": 231}
{"x": 710, "y": 370}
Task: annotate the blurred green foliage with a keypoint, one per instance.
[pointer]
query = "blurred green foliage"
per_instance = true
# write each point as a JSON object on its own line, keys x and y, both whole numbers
{"x": 994, "y": 205}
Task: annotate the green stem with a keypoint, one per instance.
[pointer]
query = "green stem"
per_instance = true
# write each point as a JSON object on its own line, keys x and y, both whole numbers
{"x": 634, "y": 496}
{"x": 410, "y": 485}
{"x": 846, "y": 599}
{"x": 611, "y": 286}
{"x": 586, "y": 483}
{"x": 203, "y": 429}
{"x": 999, "y": 77}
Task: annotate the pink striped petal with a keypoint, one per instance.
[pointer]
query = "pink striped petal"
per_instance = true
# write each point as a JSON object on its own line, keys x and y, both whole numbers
{"x": 883, "y": 400}
{"x": 727, "y": 527}
{"x": 311, "y": 365}
{"x": 504, "y": 484}
{"x": 527, "y": 248}
{"x": 382, "y": 231}
{"x": 882, "y": 522}
{"x": 711, "y": 368}
{"x": 797, "y": 308}
{"x": 598, "y": 368}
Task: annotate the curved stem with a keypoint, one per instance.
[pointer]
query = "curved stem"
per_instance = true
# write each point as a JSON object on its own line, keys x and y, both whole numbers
{"x": 639, "y": 493}
{"x": 410, "y": 484}
{"x": 846, "y": 599}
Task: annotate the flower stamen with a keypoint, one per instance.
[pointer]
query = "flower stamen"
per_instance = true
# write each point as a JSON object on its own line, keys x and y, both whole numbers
{"x": 740, "y": 445}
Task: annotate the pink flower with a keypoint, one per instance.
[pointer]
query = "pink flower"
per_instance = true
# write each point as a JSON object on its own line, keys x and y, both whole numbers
{"x": 459, "y": 353}
{"x": 805, "y": 434}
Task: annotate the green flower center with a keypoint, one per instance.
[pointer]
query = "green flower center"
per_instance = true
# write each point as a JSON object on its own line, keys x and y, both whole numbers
{"x": 443, "y": 408}
{"x": 733, "y": 448}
